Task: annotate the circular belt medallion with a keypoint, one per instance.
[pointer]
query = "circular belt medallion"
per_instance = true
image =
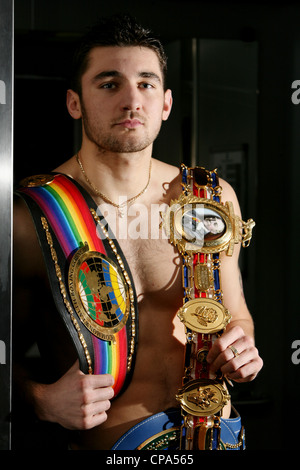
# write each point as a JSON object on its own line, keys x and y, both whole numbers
{"x": 203, "y": 397}
{"x": 205, "y": 316}
{"x": 99, "y": 293}
{"x": 202, "y": 225}
{"x": 36, "y": 180}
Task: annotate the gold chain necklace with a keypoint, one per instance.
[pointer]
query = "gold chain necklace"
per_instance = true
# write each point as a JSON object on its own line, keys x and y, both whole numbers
{"x": 122, "y": 206}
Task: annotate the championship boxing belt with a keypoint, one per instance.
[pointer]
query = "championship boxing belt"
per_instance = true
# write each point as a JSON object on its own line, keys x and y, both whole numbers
{"x": 90, "y": 279}
{"x": 201, "y": 227}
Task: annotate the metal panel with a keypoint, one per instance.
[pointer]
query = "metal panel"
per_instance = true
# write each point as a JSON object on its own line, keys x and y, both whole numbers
{"x": 6, "y": 181}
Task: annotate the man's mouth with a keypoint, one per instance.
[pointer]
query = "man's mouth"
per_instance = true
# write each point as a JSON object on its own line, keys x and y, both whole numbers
{"x": 130, "y": 123}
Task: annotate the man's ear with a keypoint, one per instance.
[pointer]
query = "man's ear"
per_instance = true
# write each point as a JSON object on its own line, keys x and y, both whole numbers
{"x": 73, "y": 104}
{"x": 167, "y": 105}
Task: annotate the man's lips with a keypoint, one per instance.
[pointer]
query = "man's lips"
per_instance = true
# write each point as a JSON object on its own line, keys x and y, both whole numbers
{"x": 130, "y": 123}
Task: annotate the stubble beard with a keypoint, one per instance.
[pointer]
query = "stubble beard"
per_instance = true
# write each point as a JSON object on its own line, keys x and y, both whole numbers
{"x": 126, "y": 143}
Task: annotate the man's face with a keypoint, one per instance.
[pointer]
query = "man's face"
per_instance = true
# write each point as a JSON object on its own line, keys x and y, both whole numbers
{"x": 214, "y": 224}
{"x": 123, "y": 101}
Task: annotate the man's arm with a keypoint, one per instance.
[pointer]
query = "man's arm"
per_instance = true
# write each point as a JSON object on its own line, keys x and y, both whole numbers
{"x": 240, "y": 332}
{"x": 76, "y": 400}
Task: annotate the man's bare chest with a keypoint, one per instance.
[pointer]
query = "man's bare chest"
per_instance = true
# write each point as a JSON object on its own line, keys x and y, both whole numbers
{"x": 154, "y": 264}
{"x": 152, "y": 260}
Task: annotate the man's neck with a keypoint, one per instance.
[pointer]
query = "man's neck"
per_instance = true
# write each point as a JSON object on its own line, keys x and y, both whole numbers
{"x": 114, "y": 175}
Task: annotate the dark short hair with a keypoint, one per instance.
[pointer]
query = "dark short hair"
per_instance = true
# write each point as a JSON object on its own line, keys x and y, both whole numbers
{"x": 118, "y": 31}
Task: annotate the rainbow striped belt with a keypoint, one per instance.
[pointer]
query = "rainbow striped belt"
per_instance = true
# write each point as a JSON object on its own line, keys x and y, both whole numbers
{"x": 91, "y": 282}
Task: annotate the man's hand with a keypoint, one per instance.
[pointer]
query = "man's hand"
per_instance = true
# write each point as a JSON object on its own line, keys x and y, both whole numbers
{"x": 76, "y": 401}
{"x": 241, "y": 363}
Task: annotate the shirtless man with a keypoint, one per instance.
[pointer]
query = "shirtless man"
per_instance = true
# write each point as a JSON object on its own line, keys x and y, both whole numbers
{"x": 122, "y": 101}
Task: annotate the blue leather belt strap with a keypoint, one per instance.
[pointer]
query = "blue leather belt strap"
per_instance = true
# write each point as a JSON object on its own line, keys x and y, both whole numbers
{"x": 162, "y": 431}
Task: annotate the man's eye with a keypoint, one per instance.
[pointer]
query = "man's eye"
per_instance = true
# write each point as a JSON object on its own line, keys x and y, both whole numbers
{"x": 108, "y": 86}
{"x": 146, "y": 85}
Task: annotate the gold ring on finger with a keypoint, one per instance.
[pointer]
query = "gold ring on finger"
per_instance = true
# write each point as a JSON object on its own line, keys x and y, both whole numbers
{"x": 234, "y": 350}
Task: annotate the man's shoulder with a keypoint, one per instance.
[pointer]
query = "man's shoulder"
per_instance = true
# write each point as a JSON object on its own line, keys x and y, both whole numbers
{"x": 167, "y": 170}
{"x": 28, "y": 260}
{"x": 228, "y": 194}
{"x": 168, "y": 177}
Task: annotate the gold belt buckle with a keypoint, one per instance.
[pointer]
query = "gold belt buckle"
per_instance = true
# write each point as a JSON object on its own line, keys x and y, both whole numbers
{"x": 204, "y": 315}
{"x": 203, "y": 397}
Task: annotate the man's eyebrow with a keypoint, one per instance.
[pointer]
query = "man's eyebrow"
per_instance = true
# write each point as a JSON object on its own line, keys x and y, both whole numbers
{"x": 115, "y": 73}
{"x": 150, "y": 75}
{"x": 106, "y": 74}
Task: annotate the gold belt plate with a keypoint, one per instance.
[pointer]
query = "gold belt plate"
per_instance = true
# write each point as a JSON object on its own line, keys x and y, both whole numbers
{"x": 99, "y": 293}
{"x": 202, "y": 315}
{"x": 203, "y": 397}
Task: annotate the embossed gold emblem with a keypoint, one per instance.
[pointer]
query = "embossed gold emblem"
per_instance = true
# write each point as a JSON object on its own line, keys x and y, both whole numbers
{"x": 203, "y": 279}
{"x": 99, "y": 293}
{"x": 37, "y": 180}
{"x": 204, "y": 315}
{"x": 203, "y": 397}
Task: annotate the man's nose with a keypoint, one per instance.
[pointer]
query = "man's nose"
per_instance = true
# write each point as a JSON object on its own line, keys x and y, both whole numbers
{"x": 131, "y": 99}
